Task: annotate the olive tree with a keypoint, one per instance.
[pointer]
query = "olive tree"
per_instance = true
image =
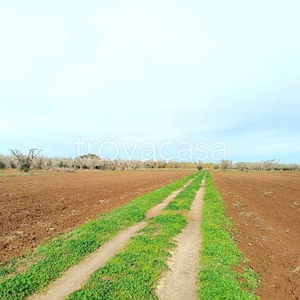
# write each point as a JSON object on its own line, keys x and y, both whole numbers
{"x": 25, "y": 161}
{"x": 271, "y": 164}
{"x": 225, "y": 164}
{"x": 242, "y": 166}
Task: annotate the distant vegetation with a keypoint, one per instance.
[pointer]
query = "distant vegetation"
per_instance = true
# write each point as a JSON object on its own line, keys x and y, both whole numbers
{"x": 266, "y": 165}
{"x": 35, "y": 161}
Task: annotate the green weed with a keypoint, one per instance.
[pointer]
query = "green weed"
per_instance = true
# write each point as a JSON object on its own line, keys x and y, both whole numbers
{"x": 134, "y": 272}
{"x": 220, "y": 256}
{"x": 185, "y": 198}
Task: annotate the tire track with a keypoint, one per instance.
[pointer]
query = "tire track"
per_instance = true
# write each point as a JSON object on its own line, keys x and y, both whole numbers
{"x": 76, "y": 276}
{"x": 180, "y": 282}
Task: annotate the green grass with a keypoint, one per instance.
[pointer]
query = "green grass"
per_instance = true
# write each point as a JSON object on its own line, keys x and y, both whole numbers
{"x": 134, "y": 272}
{"x": 220, "y": 256}
{"x": 185, "y": 198}
{"x": 50, "y": 260}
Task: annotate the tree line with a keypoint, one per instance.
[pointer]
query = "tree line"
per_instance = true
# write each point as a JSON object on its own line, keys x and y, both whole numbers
{"x": 34, "y": 160}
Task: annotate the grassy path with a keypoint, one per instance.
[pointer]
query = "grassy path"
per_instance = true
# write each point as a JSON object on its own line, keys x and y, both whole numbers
{"x": 134, "y": 272}
{"x": 181, "y": 280}
{"x": 74, "y": 277}
{"x": 21, "y": 278}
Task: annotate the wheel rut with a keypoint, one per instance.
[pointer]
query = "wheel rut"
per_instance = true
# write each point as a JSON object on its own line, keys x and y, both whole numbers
{"x": 74, "y": 278}
{"x": 181, "y": 281}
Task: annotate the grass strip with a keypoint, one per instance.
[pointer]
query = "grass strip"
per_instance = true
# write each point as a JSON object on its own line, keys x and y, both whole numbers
{"x": 50, "y": 260}
{"x": 220, "y": 257}
{"x": 185, "y": 198}
{"x": 134, "y": 272}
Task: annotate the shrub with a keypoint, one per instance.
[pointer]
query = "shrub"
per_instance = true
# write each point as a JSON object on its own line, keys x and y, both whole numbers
{"x": 2, "y": 164}
{"x": 12, "y": 163}
{"x": 199, "y": 166}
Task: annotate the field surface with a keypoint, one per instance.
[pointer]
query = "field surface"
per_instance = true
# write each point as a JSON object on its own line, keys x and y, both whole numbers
{"x": 265, "y": 209}
{"x": 35, "y": 207}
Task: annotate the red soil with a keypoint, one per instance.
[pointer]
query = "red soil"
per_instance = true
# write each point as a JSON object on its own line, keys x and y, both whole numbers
{"x": 34, "y": 207}
{"x": 265, "y": 208}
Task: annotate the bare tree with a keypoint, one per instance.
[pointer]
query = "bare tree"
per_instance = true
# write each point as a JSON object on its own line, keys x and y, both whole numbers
{"x": 242, "y": 166}
{"x": 25, "y": 161}
{"x": 271, "y": 164}
{"x": 225, "y": 164}
{"x": 161, "y": 164}
{"x": 149, "y": 164}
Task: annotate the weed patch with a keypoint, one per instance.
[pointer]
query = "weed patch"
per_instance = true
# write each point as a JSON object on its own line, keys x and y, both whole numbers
{"x": 134, "y": 272}
{"x": 185, "y": 198}
{"x": 218, "y": 278}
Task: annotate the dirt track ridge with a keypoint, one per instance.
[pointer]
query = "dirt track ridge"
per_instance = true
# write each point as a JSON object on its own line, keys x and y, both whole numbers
{"x": 76, "y": 276}
{"x": 180, "y": 282}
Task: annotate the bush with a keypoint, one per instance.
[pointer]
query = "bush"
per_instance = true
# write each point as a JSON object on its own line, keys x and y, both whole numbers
{"x": 12, "y": 164}
{"x": 38, "y": 163}
{"x": 25, "y": 167}
{"x": 62, "y": 164}
{"x": 2, "y": 164}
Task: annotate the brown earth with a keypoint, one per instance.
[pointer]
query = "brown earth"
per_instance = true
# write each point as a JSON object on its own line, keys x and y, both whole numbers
{"x": 265, "y": 208}
{"x": 40, "y": 206}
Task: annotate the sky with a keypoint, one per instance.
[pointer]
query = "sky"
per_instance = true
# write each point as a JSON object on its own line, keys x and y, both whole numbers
{"x": 185, "y": 80}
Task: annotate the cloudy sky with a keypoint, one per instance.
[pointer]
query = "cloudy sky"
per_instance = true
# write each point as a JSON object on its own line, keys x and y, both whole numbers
{"x": 132, "y": 74}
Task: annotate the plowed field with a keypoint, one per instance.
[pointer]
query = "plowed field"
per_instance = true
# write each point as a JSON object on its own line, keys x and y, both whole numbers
{"x": 35, "y": 207}
{"x": 265, "y": 208}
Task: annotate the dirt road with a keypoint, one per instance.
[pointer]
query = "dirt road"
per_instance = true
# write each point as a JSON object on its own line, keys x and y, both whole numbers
{"x": 180, "y": 282}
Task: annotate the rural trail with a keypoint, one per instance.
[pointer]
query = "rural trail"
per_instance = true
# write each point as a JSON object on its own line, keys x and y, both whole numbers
{"x": 181, "y": 281}
{"x": 75, "y": 276}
